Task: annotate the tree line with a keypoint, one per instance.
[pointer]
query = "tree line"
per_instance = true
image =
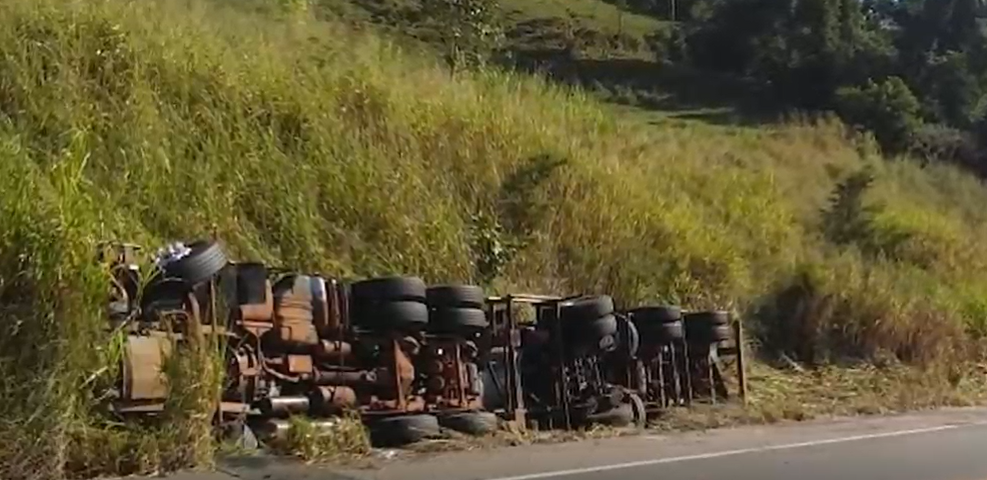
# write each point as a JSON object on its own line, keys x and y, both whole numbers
{"x": 913, "y": 72}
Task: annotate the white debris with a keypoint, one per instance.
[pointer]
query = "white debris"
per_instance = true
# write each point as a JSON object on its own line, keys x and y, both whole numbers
{"x": 385, "y": 454}
{"x": 171, "y": 253}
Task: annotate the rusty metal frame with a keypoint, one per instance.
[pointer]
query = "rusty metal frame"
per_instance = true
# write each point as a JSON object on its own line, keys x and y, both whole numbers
{"x": 706, "y": 358}
{"x": 507, "y": 336}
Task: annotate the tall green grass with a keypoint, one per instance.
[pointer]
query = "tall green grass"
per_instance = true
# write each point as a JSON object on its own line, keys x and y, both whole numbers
{"x": 305, "y": 144}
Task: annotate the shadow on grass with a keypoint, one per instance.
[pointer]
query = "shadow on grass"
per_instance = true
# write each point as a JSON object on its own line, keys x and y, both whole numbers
{"x": 678, "y": 91}
{"x": 662, "y": 11}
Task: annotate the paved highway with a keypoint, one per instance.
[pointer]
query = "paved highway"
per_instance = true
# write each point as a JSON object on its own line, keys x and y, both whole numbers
{"x": 942, "y": 445}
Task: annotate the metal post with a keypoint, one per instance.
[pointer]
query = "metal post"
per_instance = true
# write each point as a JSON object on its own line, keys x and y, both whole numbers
{"x": 738, "y": 334}
{"x": 710, "y": 365}
{"x": 687, "y": 370}
{"x": 667, "y": 394}
{"x": 514, "y": 367}
{"x": 563, "y": 368}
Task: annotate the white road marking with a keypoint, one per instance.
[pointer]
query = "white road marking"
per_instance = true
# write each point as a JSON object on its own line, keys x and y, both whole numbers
{"x": 726, "y": 453}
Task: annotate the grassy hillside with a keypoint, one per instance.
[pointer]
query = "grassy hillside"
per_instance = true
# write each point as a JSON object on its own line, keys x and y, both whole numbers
{"x": 596, "y": 28}
{"x": 304, "y": 143}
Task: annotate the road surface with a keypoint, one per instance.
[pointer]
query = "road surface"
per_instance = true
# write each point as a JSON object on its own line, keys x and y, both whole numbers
{"x": 942, "y": 445}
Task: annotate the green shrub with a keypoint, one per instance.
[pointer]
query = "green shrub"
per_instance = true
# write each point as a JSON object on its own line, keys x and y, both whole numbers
{"x": 889, "y": 109}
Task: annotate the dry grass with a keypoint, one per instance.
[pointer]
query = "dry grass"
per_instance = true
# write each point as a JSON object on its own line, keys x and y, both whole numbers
{"x": 783, "y": 396}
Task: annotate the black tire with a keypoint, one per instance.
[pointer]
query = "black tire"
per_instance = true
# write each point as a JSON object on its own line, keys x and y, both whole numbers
{"x": 657, "y": 314}
{"x": 619, "y": 416}
{"x": 251, "y": 283}
{"x": 613, "y": 398}
{"x": 587, "y": 309}
{"x": 607, "y": 344}
{"x": 628, "y": 337}
{"x": 708, "y": 327}
{"x": 638, "y": 410}
{"x": 455, "y": 296}
{"x": 721, "y": 333}
{"x": 392, "y": 315}
{"x": 590, "y": 333}
{"x": 580, "y": 412}
{"x": 472, "y": 423}
{"x": 163, "y": 294}
{"x": 205, "y": 260}
{"x": 457, "y": 319}
{"x": 404, "y": 430}
{"x": 672, "y": 331}
{"x": 716, "y": 334}
{"x": 708, "y": 318}
{"x": 661, "y": 332}
{"x": 229, "y": 286}
{"x": 601, "y": 327}
{"x": 388, "y": 289}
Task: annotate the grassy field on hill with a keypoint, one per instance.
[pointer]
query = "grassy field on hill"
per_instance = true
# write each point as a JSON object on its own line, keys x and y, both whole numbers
{"x": 305, "y": 143}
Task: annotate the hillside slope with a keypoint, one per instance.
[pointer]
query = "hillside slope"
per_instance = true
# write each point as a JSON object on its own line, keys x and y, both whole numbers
{"x": 306, "y": 144}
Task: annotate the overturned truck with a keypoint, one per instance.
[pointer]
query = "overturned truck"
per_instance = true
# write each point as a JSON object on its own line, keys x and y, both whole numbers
{"x": 399, "y": 353}
{"x": 408, "y": 358}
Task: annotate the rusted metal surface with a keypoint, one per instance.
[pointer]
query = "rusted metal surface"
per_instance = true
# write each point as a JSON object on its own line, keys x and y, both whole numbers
{"x": 360, "y": 378}
{"x": 334, "y": 399}
{"x": 453, "y": 378}
{"x": 143, "y": 363}
{"x": 333, "y": 350}
{"x": 299, "y": 364}
{"x": 383, "y": 406}
{"x": 293, "y": 319}
{"x": 403, "y": 373}
{"x": 293, "y": 350}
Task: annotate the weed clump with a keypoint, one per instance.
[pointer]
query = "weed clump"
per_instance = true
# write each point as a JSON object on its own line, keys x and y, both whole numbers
{"x": 341, "y": 439}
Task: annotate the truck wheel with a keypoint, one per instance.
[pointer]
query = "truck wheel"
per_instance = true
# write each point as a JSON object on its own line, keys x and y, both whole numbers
{"x": 392, "y": 315}
{"x": 586, "y": 310}
{"x": 637, "y": 407}
{"x": 205, "y": 260}
{"x": 619, "y": 416}
{"x": 449, "y": 320}
{"x": 403, "y": 430}
{"x": 388, "y": 289}
{"x": 455, "y": 296}
{"x": 472, "y": 423}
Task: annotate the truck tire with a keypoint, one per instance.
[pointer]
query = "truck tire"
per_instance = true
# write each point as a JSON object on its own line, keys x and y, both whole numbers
{"x": 403, "y": 430}
{"x": 657, "y": 314}
{"x": 452, "y": 320}
{"x": 391, "y": 315}
{"x": 204, "y": 261}
{"x": 472, "y": 423}
{"x": 388, "y": 289}
{"x": 587, "y": 309}
{"x": 455, "y": 296}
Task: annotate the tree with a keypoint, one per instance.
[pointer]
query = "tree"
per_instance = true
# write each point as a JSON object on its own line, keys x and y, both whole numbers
{"x": 889, "y": 109}
{"x": 803, "y": 49}
{"x": 849, "y": 219}
{"x": 950, "y": 90}
{"x": 468, "y": 30}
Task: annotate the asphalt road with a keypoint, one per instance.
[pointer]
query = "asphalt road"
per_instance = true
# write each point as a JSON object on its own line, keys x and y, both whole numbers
{"x": 942, "y": 445}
